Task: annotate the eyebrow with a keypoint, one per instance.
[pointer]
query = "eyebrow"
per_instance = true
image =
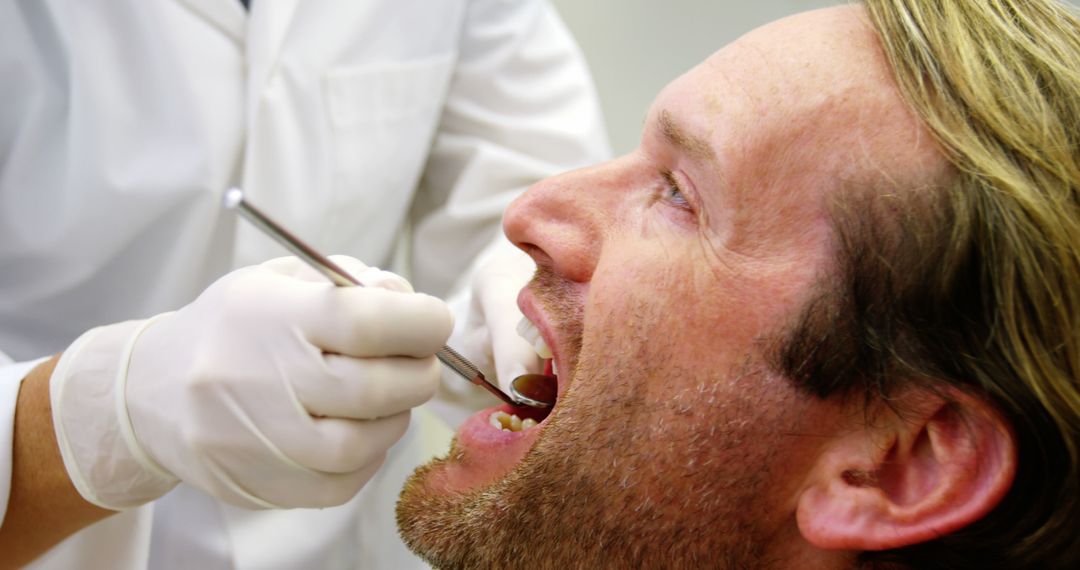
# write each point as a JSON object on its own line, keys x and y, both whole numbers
{"x": 692, "y": 145}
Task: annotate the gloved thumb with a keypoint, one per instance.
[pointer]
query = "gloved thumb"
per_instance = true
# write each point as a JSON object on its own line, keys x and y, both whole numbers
{"x": 500, "y": 281}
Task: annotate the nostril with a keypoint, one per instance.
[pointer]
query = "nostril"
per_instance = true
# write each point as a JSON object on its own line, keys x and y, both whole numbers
{"x": 519, "y": 218}
{"x": 559, "y": 226}
{"x": 535, "y": 252}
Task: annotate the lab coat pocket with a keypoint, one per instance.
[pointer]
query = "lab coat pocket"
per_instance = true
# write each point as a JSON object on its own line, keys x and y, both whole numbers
{"x": 383, "y": 118}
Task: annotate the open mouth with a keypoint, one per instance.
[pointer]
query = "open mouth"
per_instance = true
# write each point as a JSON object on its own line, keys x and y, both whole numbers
{"x": 523, "y": 418}
{"x": 492, "y": 442}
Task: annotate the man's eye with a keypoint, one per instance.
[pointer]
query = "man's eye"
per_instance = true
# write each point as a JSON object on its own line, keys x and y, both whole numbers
{"x": 673, "y": 193}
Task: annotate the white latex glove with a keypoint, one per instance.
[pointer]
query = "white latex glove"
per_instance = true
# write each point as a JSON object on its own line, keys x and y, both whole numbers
{"x": 273, "y": 389}
{"x": 487, "y": 335}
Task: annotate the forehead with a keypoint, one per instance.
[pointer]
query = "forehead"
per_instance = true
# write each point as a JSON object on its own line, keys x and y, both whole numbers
{"x": 795, "y": 110}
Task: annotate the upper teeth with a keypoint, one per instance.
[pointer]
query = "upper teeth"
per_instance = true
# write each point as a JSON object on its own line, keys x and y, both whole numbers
{"x": 530, "y": 333}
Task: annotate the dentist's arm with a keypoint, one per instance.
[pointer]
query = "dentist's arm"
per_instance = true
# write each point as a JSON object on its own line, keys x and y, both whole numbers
{"x": 272, "y": 389}
{"x": 43, "y": 505}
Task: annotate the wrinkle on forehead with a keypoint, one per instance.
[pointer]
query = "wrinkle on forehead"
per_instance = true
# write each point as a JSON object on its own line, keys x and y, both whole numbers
{"x": 800, "y": 109}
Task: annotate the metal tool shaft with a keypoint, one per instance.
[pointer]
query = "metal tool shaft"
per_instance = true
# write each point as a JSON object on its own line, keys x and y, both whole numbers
{"x": 234, "y": 200}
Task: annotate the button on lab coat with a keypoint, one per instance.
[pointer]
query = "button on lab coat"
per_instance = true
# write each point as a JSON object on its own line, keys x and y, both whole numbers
{"x": 381, "y": 129}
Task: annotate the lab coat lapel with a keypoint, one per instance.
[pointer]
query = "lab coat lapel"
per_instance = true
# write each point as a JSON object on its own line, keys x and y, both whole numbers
{"x": 269, "y": 26}
{"x": 227, "y": 15}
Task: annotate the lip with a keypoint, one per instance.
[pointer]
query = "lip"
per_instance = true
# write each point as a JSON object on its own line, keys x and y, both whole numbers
{"x": 528, "y": 305}
{"x": 487, "y": 453}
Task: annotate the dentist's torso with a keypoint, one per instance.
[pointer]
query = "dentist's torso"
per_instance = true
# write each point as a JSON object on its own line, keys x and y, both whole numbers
{"x": 123, "y": 122}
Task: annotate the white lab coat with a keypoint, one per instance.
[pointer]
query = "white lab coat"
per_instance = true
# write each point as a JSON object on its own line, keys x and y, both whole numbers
{"x": 367, "y": 127}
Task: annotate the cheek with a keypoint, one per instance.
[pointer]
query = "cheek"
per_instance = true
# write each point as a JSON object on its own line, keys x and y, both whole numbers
{"x": 686, "y": 327}
{"x": 677, "y": 409}
{"x": 678, "y": 305}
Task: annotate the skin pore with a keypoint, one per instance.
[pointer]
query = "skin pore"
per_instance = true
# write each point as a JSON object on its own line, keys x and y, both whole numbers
{"x": 663, "y": 277}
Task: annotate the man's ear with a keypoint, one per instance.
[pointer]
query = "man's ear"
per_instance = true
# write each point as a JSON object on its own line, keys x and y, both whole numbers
{"x": 933, "y": 468}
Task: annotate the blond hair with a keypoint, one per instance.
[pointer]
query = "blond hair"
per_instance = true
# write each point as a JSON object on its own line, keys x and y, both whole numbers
{"x": 997, "y": 82}
{"x": 977, "y": 287}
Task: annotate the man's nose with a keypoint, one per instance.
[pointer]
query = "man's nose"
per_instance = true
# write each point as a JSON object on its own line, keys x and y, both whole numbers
{"x": 559, "y": 221}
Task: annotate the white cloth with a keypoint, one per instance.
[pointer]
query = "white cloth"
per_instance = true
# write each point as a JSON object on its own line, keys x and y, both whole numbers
{"x": 124, "y": 120}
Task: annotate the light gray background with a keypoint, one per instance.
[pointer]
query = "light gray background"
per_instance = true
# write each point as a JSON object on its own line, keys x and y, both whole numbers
{"x": 635, "y": 47}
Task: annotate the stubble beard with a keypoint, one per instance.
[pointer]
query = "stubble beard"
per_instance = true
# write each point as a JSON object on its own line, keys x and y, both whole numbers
{"x": 616, "y": 479}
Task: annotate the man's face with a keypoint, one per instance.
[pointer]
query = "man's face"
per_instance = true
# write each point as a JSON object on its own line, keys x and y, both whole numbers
{"x": 664, "y": 279}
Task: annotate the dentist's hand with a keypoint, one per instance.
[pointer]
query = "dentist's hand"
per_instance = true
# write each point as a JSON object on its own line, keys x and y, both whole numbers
{"x": 487, "y": 334}
{"x": 273, "y": 389}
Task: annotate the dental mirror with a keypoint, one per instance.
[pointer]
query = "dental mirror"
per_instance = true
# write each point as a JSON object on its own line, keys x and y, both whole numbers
{"x": 535, "y": 390}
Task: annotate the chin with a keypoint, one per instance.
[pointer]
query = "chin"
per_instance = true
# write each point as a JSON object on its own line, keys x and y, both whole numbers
{"x": 450, "y": 502}
{"x": 588, "y": 488}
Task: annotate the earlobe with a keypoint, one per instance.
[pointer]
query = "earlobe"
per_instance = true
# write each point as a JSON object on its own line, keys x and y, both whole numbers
{"x": 940, "y": 467}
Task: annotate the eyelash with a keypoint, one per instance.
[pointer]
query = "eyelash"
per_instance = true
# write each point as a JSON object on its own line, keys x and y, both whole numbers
{"x": 672, "y": 188}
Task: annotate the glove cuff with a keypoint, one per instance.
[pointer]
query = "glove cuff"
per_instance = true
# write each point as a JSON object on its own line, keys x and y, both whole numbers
{"x": 103, "y": 458}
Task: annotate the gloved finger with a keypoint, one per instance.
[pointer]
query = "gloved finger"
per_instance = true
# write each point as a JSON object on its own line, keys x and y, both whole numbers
{"x": 370, "y": 322}
{"x": 513, "y": 356}
{"x": 287, "y": 487}
{"x": 375, "y": 277}
{"x": 339, "y": 488}
{"x": 508, "y": 266}
{"x": 296, "y": 268}
{"x": 371, "y": 276}
{"x": 367, "y": 276}
{"x": 499, "y": 283}
{"x": 369, "y": 388}
{"x": 287, "y": 265}
{"x": 337, "y": 445}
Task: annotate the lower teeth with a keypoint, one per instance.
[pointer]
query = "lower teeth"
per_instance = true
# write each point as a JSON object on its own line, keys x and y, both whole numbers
{"x": 510, "y": 422}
